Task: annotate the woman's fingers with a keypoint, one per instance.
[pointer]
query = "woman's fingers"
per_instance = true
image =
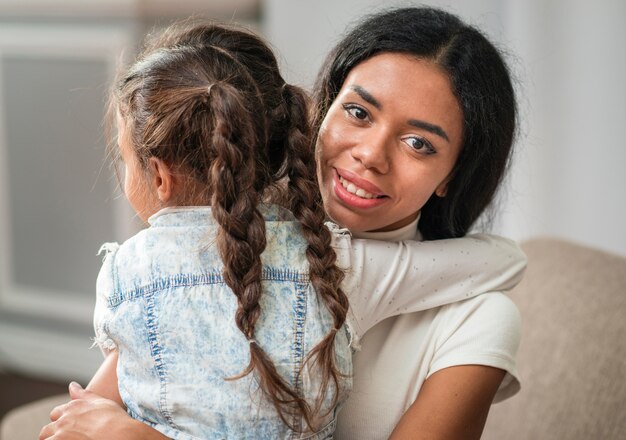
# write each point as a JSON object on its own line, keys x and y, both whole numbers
{"x": 66, "y": 422}
{"x": 57, "y": 412}
{"x": 46, "y": 432}
{"x": 77, "y": 391}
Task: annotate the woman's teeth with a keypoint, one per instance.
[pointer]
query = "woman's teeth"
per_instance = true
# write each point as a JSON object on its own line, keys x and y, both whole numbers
{"x": 353, "y": 189}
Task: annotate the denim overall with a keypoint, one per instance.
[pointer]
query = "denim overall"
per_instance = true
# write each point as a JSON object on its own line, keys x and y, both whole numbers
{"x": 163, "y": 304}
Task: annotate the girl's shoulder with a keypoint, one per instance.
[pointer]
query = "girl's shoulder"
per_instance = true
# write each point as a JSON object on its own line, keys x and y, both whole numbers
{"x": 276, "y": 213}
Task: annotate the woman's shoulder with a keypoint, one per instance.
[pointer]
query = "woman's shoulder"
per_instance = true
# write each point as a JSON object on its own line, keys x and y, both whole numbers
{"x": 484, "y": 330}
{"x": 491, "y": 311}
{"x": 487, "y": 321}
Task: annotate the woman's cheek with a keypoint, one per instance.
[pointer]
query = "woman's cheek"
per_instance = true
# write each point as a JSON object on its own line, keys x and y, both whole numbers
{"x": 322, "y": 152}
{"x": 332, "y": 142}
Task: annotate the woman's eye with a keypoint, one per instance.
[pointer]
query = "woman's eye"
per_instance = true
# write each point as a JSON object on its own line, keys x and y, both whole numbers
{"x": 356, "y": 112}
{"x": 420, "y": 145}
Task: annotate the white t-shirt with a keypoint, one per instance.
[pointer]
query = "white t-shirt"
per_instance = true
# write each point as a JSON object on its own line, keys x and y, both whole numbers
{"x": 400, "y": 353}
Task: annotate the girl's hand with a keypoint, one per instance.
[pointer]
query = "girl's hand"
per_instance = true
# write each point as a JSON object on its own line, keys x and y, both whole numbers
{"x": 90, "y": 417}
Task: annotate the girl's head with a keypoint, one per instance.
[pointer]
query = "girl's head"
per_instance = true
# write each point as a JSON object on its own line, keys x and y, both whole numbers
{"x": 206, "y": 118}
{"x": 201, "y": 92}
{"x": 415, "y": 114}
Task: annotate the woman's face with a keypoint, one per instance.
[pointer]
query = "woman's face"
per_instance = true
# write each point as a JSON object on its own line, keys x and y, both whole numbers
{"x": 388, "y": 142}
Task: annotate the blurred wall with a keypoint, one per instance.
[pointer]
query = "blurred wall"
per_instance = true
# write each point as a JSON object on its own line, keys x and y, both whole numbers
{"x": 567, "y": 179}
{"x": 59, "y": 201}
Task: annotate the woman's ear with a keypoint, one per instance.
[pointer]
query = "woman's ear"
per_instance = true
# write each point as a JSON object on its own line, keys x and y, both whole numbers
{"x": 162, "y": 179}
{"x": 442, "y": 189}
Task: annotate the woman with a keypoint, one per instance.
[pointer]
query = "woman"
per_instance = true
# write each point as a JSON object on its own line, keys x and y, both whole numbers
{"x": 416, "y": 117}
{"x": 418, "y": 108}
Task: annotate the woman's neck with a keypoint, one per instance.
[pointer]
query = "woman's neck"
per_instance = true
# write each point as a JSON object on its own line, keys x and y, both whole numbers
{"x": 408, "y": 232}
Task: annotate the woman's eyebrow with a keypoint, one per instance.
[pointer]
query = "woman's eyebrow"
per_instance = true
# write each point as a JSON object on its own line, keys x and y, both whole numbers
{"x": 367, "y": 97}
{"x": 435, "y": 129}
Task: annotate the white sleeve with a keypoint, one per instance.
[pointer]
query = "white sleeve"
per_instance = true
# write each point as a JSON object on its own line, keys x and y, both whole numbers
{"x": 385, "y": 278}
{"x": 104, "y": 289}
{"x": 482, "y": 331}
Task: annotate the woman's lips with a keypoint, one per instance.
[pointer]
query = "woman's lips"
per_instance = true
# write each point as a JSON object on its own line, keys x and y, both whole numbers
{"x": 359, "y": 182}
{"x": 353, "y": 189}
{"x": 356, "y": 192}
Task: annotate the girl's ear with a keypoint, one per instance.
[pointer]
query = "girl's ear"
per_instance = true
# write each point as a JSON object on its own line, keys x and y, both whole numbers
{"x": 162, "y": 179}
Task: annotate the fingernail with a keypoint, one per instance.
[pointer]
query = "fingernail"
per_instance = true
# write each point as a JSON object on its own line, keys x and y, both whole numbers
{"x": 75, "y": 385}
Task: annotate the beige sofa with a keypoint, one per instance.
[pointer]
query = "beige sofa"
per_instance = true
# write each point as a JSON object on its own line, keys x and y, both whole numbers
{"x": 572, "y": 359}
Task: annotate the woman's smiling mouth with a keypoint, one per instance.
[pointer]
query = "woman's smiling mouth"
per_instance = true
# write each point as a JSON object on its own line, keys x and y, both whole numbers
{"x": 356, "y": 192}
{"x": 353, "y": 189}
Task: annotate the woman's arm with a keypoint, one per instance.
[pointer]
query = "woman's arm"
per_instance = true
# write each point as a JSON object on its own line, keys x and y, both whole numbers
{"x": 479, "y": 340}
{"x": 97, "y": 412}
{"x": 91, "y": 417}
{"x": 453, "y": 403}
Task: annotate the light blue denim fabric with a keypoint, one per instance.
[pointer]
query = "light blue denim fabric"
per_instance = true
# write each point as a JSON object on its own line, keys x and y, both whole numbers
{"x": 163, "y": 304}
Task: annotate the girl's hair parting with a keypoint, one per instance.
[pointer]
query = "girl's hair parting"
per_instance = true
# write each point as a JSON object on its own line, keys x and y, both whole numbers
{"x": 208, "y": 99}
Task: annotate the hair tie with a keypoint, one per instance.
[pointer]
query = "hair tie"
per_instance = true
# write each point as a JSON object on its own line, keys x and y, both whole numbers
{"x": 252, "y": 341}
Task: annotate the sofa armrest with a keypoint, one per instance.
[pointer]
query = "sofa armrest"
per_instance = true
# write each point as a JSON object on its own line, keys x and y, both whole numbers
{"x": 25, "y": 422}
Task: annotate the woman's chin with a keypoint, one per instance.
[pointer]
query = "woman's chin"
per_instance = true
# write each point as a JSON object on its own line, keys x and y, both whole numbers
{"x": 353, "y": 222}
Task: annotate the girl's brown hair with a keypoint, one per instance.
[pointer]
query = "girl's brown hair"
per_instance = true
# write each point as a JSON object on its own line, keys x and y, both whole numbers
{"x": 208, "y": 99}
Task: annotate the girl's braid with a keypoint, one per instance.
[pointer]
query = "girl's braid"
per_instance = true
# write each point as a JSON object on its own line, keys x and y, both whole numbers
{"x": 306, "y": 204}
{"x": 241, "y": 238}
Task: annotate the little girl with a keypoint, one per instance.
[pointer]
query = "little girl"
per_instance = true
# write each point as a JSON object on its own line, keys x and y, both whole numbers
{"x": 226, "y": 317}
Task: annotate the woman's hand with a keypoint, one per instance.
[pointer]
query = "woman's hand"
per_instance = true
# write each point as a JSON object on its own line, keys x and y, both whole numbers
{"x": 90, "y": 417}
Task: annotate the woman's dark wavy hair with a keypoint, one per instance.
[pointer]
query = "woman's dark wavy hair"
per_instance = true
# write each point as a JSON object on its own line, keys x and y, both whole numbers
{"x": 208, "y": 99}
{"x": 481, "y": 82}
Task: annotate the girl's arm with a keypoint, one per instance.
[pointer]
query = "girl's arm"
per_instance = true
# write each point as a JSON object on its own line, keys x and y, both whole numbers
{"x": 104, "y": 382}
{"x": 98, "y": 413}
{"x": 453, "y": 403}
{"x": 385, "y": 278}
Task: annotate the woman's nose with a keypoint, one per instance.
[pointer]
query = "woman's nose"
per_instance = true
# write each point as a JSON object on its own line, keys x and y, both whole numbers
{"x": 372, "y": 152}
